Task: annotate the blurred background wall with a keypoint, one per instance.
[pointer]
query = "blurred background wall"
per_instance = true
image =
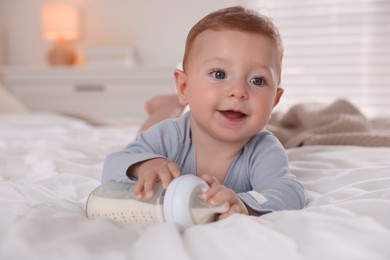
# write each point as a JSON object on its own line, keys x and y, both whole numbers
{"x": 155, "y": 29}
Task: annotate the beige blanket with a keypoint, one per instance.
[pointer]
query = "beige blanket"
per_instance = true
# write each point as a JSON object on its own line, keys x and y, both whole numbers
{"x": 339, "y": 123}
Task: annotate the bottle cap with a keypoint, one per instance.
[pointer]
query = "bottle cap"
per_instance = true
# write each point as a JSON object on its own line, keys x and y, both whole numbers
{"x": 178, "y": 199}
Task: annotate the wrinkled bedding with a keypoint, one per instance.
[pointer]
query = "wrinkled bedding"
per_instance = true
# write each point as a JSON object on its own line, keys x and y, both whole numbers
{"x": 336, "y": 123}
{"x": 49, "y": 164}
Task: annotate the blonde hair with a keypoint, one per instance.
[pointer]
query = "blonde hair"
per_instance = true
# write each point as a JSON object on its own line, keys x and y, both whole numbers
{"x": 235, "y": 18}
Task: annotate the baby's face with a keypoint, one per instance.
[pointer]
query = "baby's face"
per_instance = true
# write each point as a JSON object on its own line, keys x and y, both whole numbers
{"x": 231, "y": 84}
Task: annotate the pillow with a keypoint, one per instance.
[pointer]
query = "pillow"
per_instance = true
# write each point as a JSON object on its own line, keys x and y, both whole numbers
{"x": 9, "y": 103}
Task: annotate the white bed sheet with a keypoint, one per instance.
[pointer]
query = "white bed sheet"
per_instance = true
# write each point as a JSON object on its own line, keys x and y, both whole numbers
{"x": 49, "y": 164}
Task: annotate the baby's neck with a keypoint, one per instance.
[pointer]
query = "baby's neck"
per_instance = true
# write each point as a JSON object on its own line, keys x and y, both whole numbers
{"x": 215, "y": 159}
{"x": 215, "y": 166}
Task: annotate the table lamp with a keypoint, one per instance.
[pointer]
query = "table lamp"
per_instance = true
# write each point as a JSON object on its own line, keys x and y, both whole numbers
{"x": 60, "y": 24}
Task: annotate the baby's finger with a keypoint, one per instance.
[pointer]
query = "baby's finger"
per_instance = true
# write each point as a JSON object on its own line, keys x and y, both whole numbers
{"x": 232, "y": 210}
{"x": 139, "y": 186}
{"x": 210, "y": 194}
{"x": 165, "y": 177}
{"x": 148, "y": 185}
{"x": 221, "y": 194}
{"x": 174, "y": 169}
{"x": 211, "y": 181}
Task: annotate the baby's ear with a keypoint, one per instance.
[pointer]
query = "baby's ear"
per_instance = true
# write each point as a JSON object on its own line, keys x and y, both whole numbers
{"x": 279, "y": 94}
{"x": 181, "y": 86}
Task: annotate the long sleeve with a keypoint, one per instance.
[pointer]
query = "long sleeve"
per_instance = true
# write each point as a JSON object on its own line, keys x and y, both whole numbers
{"x": 273, "y": 187}
{"x": 164, "y": 140}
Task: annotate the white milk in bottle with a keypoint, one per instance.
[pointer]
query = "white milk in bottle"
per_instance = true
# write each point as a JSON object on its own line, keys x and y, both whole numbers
{"x": 181, "y": 203}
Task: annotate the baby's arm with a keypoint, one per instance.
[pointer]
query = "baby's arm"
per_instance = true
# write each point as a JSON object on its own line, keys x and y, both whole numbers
{"x": 219, "y": 194}
{"x": 150, "y": 172}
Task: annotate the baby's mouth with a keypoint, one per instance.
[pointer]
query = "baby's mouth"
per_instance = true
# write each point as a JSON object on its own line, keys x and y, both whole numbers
{"x": 233, "y": 114}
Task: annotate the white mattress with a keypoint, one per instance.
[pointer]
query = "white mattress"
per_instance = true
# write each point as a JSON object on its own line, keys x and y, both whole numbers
{"x": 49, "y": 164}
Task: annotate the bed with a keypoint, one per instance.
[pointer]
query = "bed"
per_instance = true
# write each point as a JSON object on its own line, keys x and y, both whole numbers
{"x": 49, "y": 164}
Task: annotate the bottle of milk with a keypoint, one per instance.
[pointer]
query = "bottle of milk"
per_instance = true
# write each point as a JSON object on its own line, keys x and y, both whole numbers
{"x": 180, "y": 203}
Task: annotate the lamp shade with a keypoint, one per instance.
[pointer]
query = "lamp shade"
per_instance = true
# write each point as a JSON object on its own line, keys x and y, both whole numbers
{"x": 60, "y": 20}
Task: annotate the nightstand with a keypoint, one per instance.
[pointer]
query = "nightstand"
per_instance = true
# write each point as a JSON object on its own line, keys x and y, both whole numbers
{"x": 108, "y": 93}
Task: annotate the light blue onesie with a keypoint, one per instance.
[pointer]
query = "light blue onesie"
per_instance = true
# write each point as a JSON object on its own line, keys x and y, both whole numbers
{"x": 259, "y": 174}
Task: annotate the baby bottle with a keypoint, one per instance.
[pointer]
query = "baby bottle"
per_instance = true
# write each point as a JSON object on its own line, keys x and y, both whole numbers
{"x": 180, "y": 203}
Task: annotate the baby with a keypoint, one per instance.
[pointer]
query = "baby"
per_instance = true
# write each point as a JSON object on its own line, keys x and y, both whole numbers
{"x": 231, "y": 82}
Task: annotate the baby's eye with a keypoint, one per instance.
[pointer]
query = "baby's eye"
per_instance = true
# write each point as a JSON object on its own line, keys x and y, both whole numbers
{"x": 258, "y": 81}
{"x": 218, "y": 74}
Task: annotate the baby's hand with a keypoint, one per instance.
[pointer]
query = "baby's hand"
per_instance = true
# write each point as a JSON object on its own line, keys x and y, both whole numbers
{"x": 151, "y": 172}
{"x": 219, "y": 194}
